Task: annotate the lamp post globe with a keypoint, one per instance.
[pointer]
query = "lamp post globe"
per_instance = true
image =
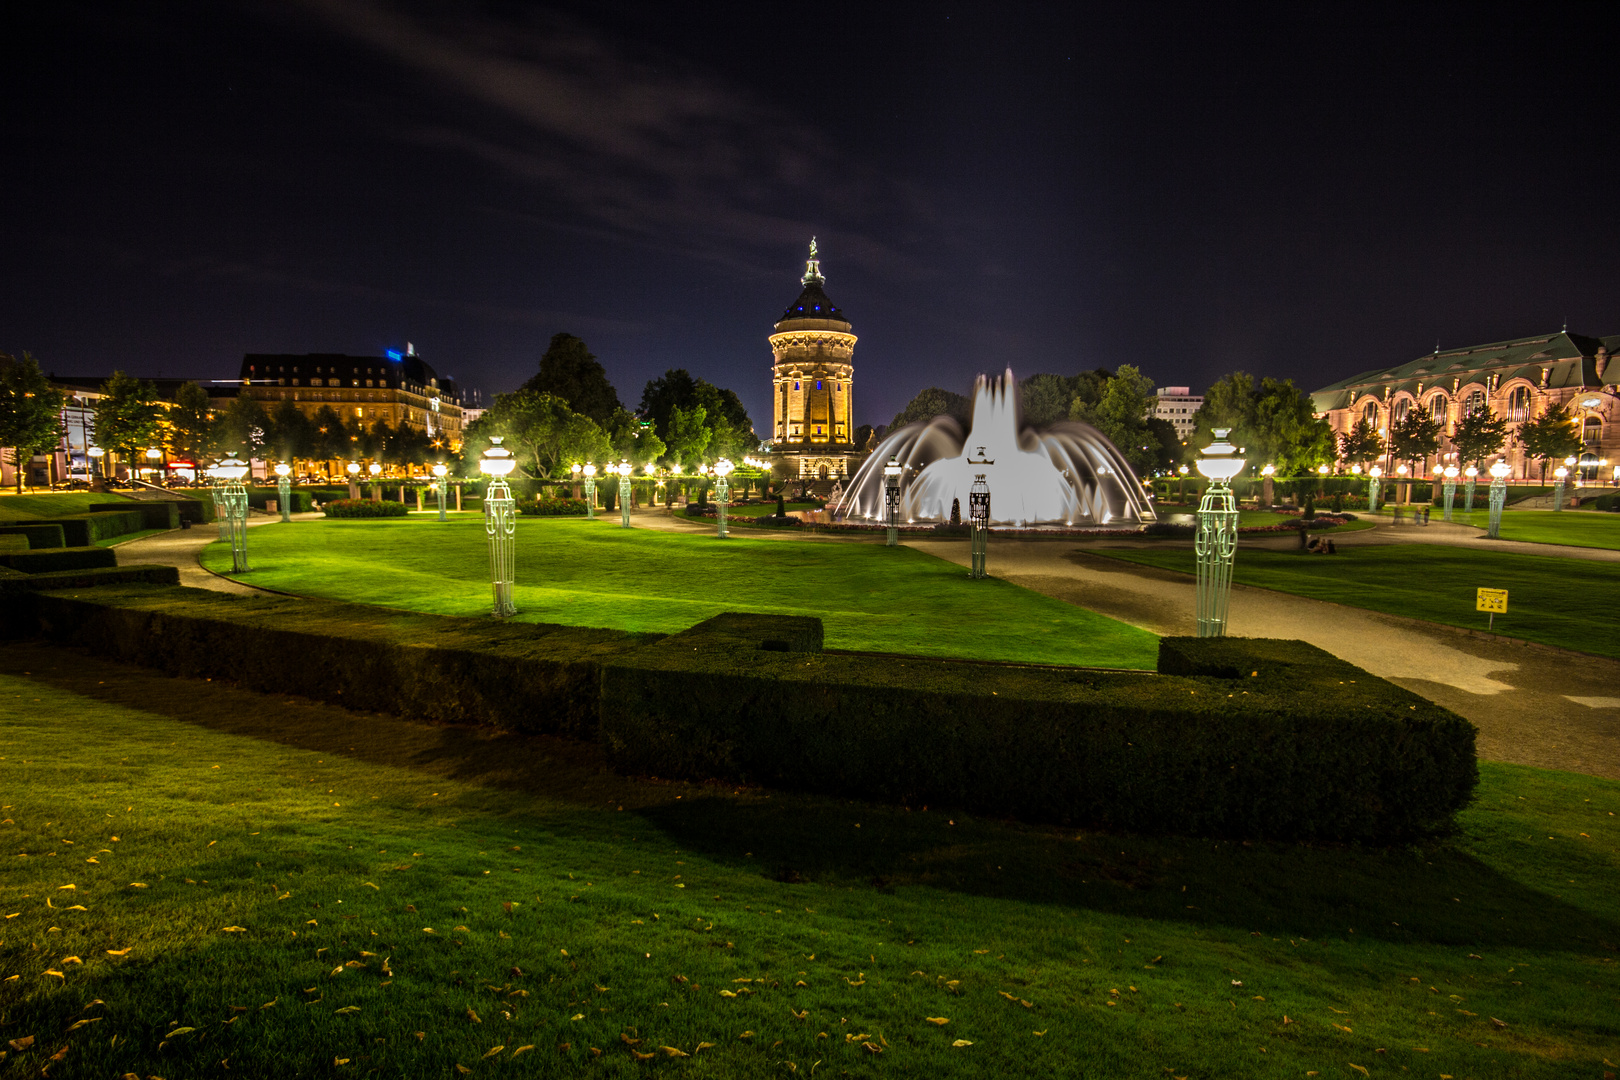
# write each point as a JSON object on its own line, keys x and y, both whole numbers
{"x": 500, "y": 524}
{"x": 230, "y": 507}
{"x": 624, "y": 470}
{"x": 1499, "y": 475}
{"x": 722, "y": 492}
{"x": 440, "y": 471}
{"x": 1560, "y": 474}
{"x": 284, "y": 490}
{"x": 891, "y": 501}
{"x": 1215, "y": 543}
{"x": 588, "y": 471}
{"x": 1450, "y": 473}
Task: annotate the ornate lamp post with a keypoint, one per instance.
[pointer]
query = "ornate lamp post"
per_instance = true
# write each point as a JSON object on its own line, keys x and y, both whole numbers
{"x": 153, "y": 456}
{"x": 1374, "y": 488}
{"x": 1181, "y": 489}
{"x": 230, "y": 507}
{"x": 1216, "y": 541}
{"x": 1499, "y": 474}
{"x": 375, "y": 470}
{"x": 722, "y": 492}
{"x": 284, "y": 490}
{"x": 624, "y": 470}
{"x": 1450, "y": 473}
{"x": 354, "y": 479}
{"x": 440, "y": 484}
{"x": 500, "y": 524}
{"x": 1268, "y": 491}
{"x": 979, "y": 516}
{"x": 589, "y": 472}
{"x": 891, "y": 501}
{"x": 1472, "y": 473}
{"x": 96, "y": 453}
{"x": 1561, "y": 474}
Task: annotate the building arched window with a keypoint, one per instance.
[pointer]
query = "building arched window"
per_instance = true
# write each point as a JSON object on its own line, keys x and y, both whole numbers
{"x": 1398, "y": 411}
{"x": 1437, "y": 407}
{"x": 1519, "y": 404}
{"x": 1592, "y": 432}
{"x": 1369, "y": 413}
{"x": 1474, "y": 403}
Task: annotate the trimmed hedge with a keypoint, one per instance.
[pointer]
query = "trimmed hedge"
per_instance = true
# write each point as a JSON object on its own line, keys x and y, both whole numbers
{"x": 196, "y": 511}
{"x": 364, "y": 508}
{"x": 13, "y": 542}
{"x": 82, "y": 530}
{"x": 13, "y": 583}
{"x": 38, "y": 536}
{"x": 558, "y": 507}
{"x": 155, "y": 513}
{"x": 1239, "y": 738}
{"x": 302, "y": 500}
{"x": 1303, "y": 747}
{"x": 64, "y": 558}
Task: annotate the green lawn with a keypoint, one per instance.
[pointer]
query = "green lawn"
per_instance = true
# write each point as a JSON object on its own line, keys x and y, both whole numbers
{"x": 53, "y": 503}
{"x": 201, "y": 881}
{"x": 1577, "y": 528}
{"x": 114, "y": 541}
{"x": 586, "y": 573}
{"x": 1551, "y": 600}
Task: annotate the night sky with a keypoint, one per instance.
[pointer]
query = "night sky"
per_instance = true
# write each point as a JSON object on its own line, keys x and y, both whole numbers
{"x": 1304, "y": 191}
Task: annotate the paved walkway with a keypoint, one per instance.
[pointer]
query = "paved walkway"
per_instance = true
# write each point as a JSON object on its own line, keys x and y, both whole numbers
{"x": 1533, "y": 706}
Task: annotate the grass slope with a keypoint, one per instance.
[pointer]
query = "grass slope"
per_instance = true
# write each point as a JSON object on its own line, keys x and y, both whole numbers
{"x": 1577, "y": 528}
{"x": 328, "y": 894}
{"x": 53, "y": 504}
{"x": 585, "y": 573}
{"x": 1550, "y": 600}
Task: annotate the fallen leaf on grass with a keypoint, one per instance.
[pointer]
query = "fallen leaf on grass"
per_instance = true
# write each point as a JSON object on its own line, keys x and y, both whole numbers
{"x": 1494, "y": 1020}
{"x": 674, "y": 1051}
{"x": 523, "y": 1050}
{"x": 799, "y": 1015}
{"x": 81, "y": 1023}
{"x": 728, "y": 993}
{"x": 21, "y": 1044}
{"x": 495, "y": 1051}
{"x": 941, "y": 1020}
{"x": 1040, "y": 1032}
{"x": 348, "y": 1009}
{"x": 639, "y": 1056}
{"x": 872, "y": 1048}
{"x": 1342, "y": 1028}
{"x": 473, "y": 1017}
{"x": 233, "y": 929}
{"x": 66, "y": 960}
{"x": 853, "y": 982}
{"x": 961, "y": 1042}
{"x": 58, "y": 974}
{"x": 462, "y": 1069}
{"x": 703, "y": 1046}
{"x": 576, "y": 1016}
{"x": 269, "y": 1003}
{"x": 1362, "y": 1069}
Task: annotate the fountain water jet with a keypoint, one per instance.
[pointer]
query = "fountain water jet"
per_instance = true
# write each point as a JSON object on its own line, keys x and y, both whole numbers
{"x": 1067, "y": 474}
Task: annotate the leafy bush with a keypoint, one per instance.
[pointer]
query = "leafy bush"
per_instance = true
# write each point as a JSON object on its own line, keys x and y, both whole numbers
{"x": 364, "y": 508}
{"x": 301, "y": 499}
{"x": 561, "y": 506}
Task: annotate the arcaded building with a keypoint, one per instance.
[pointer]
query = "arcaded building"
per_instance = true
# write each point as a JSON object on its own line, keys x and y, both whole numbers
{"x": 813, "y": 383}
{"x": 1518, "y": 380}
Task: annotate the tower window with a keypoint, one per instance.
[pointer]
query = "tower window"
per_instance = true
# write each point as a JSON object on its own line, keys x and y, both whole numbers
{"x": 795, "y": 386}
{"x": 818, "y": 384}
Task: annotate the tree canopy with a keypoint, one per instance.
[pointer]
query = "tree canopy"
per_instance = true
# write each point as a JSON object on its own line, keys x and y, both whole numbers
{"x": 30, "y": 410}
{"x": 191, "y": 424}
{"x": 1414, "y": 437}
{"x": 1552, "y": 436}
{"x": 569, "y": 371}
{"x": 1274, "y": 422}
{"x": 1121, "y": 413}
{"x": 930, "y": 403}
{"x": 545, "y": 435}
{"x": 1478, "y": 434}
{"x": 1361, "y": 443}
{"x": 731, "y": 432}
{"x": 127, "y": 415}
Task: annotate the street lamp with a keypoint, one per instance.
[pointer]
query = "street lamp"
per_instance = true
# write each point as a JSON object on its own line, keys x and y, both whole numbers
{"x": 891, "y": 501}
{"x": 500, "y": 524}
{"x": 1268, "y": 492}
{"x": 1472, "y": 473}
{"x": 1499, "y": 473}
{"x": 230, "y": 507}
{"x": 440, "y": 471}
{"x": 353, "y": 470}
{"x": 624, "y": 471}
{"x": 1450, "y": 473}
{"x": 283, "y": 490}
{"x": 153, "y": 456}
{"x": 979, "y": 516}
{"x": 589, "y": 472}
{"x": 1216, "y": 540}
{"x": 96, "y": 453}
{"x": 722, "y": 492}
{"x": 1562, "y": 474}
{"x": 1374, "y": 488}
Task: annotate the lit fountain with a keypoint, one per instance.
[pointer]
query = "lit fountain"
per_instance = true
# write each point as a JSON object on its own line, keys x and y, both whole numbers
{"x": 1065, "y": 474}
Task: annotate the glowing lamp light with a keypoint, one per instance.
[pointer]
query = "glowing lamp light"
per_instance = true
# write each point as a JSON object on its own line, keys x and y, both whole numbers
{"x": 375, "y": 468}
{"x": 624, "y": 470}
{"x": 1219, "y": 462}
{"x": 1184, "y": 470}
{"x": 283, "y": 469}
{"x": 1321, "y": 470}
{"x": 1355, "y": 470}
{"x": 1471, "y": 472}
{"x": 230, "y": 469}
{"x": 497, "y": 460}
{"x": 153, "y": 454}
{"x": 354, "y": 468}
{"x": 649, "y": 468}
{"x": 440, "y": 470}
{"x": 1375, "y": 472}
{"x": 1561, "y": 472}
{"x": 1500, "y": 470}
{"x": 1591, "y": 402}
{"x": 1269, "y": 470}
{"x": 893, "y": 467}
{"x": 723, "y": 468}
{"x": 675, "y": 470}
{"x": 95, "y": 451}
{"x": 589, "y": 471}
{"x": 1401, "y": 469}
{"x": 1570, "y": 461}
{"x": 1450, "y": 472}
{"x": 576, "y": 468}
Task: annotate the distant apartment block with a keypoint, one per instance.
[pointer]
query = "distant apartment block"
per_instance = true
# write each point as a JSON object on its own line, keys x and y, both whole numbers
{"x": 1177, "y": 404}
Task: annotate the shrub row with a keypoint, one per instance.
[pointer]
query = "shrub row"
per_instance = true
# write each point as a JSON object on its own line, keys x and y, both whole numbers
{"x": 302, "y": 500}
{"x": 43, "y": 560}
{"x": 82, "y": 530}
{"x": 562, "y": 506}
{"x": 1242, "y": 738}
{"x": 155, "y": 513}
{"x": 38, "y": 536}
{"x": 364, "y": 508}
{"x": 13, "y": 584}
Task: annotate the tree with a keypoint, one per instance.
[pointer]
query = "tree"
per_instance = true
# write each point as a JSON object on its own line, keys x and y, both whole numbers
{"x": 1044, "y": 399}
{"x": 540, "y": 428}
{"x": 241, "y": 428}
{"x": 1121, "y": 414}
{"x": 569, "y": 371}
{"x": 731, "y": 432}
{"x": 289, "y": 435}
{"x": 1552, "y": 436}
{"x": 30, "y": 411}
{"x": 674, "y": 389}
{"x": 1274, "y": 422}
{"x": 632, "y": 439}
{"x": 329, "y": 437}
{"x": 1477, "y": 435}
{"x": 1361, "y": 444}
{"x": 127, "y": 416}
{"x": 191, "y": 424}
{"x": 689, "y": 435}
{"x": 1414, "y": 437}
{"x": 930, "y": 403}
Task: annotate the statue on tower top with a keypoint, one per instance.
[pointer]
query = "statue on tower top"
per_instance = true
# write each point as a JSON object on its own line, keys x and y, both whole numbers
{"x": 812, "y": 266}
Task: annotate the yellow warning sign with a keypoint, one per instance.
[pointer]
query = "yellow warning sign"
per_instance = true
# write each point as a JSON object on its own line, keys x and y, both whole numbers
{"x": 1492, "y": 600}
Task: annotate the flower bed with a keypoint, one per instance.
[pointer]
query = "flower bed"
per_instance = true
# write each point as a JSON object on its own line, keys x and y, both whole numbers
{"x": 364, "y": 508}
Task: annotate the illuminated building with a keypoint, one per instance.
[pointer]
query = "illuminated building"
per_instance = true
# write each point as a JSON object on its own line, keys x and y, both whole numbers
{"x": 813, "y": 383}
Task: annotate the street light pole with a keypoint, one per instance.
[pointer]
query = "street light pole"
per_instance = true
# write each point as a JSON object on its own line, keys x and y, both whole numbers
{"x": 722, "y": 492}
{"x": 979, "y": 517}
{"x": 891, "y": 501}
{"x": 1216, "y": 541}
{"x": 230, "y": 507}
{"x": 1450, "y": 473}
{"x": 624, "y": 492}
{"x": 1562, "y": 474}
{"x": 440, "y": 484}
{"x": 590, "y": 492}
{"x": 1374, "y": 488}
{"x": 1499, "y": 473}
{"x": 500, "y": 524}
{"x": 1472, "y": 473}
{"x": 283, "y": 491}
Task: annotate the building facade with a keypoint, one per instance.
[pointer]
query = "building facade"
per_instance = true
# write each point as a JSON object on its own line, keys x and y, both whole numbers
{"x": 1178, "y": 404}
{"x": 813, "y": 385}
{"x": 400, "y": 388}
{"x": 1518, "y": 380}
